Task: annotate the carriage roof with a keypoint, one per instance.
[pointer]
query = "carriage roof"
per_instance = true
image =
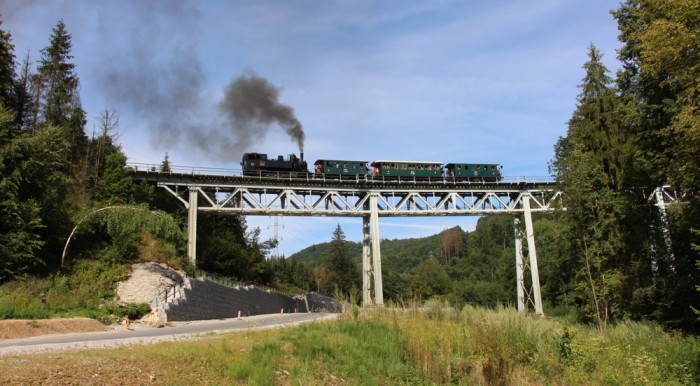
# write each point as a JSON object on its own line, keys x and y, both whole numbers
{"x": 409, "y": 162}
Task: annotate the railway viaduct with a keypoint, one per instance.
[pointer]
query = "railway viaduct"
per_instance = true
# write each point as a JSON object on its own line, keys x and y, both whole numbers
{"x": 224, "y": 191}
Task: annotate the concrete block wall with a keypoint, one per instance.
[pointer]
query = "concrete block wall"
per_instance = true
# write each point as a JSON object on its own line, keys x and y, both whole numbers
{"x": 317, "y": 302}
{"x": 206, "y": 299}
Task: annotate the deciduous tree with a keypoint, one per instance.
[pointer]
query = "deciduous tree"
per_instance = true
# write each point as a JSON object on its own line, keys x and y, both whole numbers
{"x": 452, "y": 244}
{"x": 660, "y": 84}
{"x": 430, "y": 279}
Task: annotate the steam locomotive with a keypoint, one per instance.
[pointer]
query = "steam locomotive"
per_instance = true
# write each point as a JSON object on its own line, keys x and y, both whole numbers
{"x": 257, "y": 164}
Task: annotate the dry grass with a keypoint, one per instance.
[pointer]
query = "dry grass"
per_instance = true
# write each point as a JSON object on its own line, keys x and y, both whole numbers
{"x": 203, "y": 361}
{"x": 14, "y": 329}
{"x": 502, "y": 347}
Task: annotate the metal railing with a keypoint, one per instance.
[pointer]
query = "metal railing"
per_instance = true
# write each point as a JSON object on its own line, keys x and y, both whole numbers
{"x": 231, "y": 282}
{"x": 192, "y": 170}
{"x": 176, "y": 291}
{"x": 358, "y": 178}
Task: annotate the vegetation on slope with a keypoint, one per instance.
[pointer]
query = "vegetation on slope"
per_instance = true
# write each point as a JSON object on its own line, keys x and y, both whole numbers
{"x": 86, "y": 288}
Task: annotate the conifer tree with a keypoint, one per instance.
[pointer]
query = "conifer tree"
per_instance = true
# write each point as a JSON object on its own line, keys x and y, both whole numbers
{"x": 165, "y": 165}
{"x": 343, "y": 273}
{"x": 58, "y": 90}
{"x": 31, "y": 216}
{"x": 115, "y": 186}
{"x": 19, "y": 219}
{"x": 7, "y": 68}
{"x": 23, "y": 101}
{"x": 102, "y": 145}
{"x": 591, "y": 168}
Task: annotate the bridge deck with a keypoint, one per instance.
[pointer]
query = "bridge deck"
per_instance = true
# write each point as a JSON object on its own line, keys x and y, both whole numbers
{"x": 362, "y": 182}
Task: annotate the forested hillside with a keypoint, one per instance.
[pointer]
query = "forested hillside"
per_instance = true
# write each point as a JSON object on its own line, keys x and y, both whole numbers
{"x": 475, "y": 267}
{"x": 613, "y": 255}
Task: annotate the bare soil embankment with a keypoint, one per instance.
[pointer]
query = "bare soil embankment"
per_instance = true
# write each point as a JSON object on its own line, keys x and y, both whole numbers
{"x": 15, "y": 329}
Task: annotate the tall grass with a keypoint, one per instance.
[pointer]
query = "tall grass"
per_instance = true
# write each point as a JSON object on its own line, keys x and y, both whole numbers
{"x": 502, "y": 347}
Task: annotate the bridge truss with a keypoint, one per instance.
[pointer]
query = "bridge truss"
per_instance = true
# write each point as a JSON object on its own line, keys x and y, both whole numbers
{"x": 370, "y": 200}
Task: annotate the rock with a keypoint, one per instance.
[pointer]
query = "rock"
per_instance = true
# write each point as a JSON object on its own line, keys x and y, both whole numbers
{"x": 146, "y": 281}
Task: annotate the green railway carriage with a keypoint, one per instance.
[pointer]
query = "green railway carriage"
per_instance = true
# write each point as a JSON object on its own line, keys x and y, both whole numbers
{"x": 340, "y": 168}
{"x": 407, "y": 169}
{"x": 473, "y": 172}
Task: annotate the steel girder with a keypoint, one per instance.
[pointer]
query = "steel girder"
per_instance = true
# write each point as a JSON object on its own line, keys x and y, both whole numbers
{"x": 302, "y": 201}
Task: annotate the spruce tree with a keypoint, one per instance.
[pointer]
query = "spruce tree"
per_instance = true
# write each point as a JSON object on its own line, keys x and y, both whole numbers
{"x": 32, "y": 219}
{"x": 19, "y": 218}
{"x": 7, "y": 68}
{"x": 102, "y": 145}
{"x": 23, "y": 101}
{"x": 343, "y": 273}
{"x": 58, "y": 90}
{"x": 165, "y": 165}
{"x": 591, "y": 166}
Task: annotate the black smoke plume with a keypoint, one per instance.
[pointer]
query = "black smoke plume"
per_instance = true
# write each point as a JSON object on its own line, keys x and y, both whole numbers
{"x": 252, "y": 106}
{"x": 154, "y": 75}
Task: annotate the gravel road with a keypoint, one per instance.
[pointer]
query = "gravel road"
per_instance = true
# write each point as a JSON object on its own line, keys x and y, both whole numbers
{"x": 144, "y": 334}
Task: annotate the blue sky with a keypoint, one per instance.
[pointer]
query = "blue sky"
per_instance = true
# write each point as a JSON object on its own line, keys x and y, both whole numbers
{"x": 451, "y": 81}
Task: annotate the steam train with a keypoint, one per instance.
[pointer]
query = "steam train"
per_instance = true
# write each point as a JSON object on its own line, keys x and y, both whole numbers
{"x": 258, "y": 164}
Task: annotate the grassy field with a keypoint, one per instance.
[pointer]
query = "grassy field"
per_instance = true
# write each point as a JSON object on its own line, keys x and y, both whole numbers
{"x": 434, "y": 345}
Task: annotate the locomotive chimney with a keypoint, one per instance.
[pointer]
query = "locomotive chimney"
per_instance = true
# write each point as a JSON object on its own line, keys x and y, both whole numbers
{"x": 301, "y": 155}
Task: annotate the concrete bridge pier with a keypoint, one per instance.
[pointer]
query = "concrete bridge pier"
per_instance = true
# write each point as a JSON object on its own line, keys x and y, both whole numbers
{"x": 371, "y": 269}
{"x": 191, "y": 206}
{"x": 534, "y": 295}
